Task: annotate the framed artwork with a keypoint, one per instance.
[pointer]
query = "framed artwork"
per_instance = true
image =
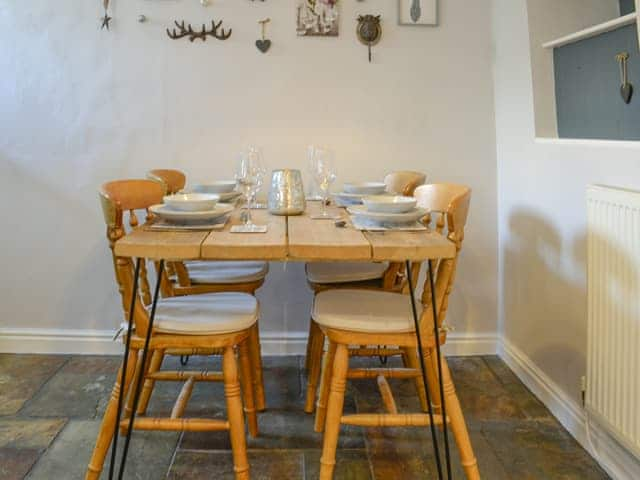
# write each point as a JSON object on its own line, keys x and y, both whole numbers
{"x": 318, "y": 18}
{"x": 418, "y": 12}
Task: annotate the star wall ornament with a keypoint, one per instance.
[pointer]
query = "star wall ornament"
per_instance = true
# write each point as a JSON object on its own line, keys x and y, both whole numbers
{"x": 106, "y": 18}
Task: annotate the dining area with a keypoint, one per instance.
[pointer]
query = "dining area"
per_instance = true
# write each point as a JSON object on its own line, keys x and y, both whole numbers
{"x": 319, "y": 239}
{"x": 209, "y": 257}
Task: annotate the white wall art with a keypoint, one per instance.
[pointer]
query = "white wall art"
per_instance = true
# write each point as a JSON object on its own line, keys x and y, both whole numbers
{"x": 317, "y": 18}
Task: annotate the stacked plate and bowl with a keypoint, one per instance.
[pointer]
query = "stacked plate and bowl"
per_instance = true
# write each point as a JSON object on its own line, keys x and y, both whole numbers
{"x": 204, "y": 205}
{"x": 371, "y": 207}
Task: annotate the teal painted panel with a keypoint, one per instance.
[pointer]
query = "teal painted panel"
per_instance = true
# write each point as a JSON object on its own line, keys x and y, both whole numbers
{"x": 627, "y": 6}
{"x": 587, "y": 78}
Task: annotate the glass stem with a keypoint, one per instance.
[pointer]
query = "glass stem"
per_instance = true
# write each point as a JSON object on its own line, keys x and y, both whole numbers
{"x": 324, "y": 203}
{"x": 247, "y": 217}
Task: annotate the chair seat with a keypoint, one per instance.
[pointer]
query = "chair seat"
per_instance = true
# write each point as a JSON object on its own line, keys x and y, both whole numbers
{"x": 226, "y": 272}
{"x": 323, "y": 273}
{"x": 365, "y": 311}
{"x": 208, "y": 314}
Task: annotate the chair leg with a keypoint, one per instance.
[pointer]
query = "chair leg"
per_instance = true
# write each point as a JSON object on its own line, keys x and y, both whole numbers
{"x": 234, "y": 414}
{"x": 314, "y": 359}
{"x": 128, "y": 408}
{"x": 431, "y": 366}
{"x": 412, "y": 362}
{"x": 247, "y": 388}
{"x": 307, "y": 358}
{"x": 334, "y": 413}
{"x": 107, "y": 428}
{"x": 458, "y": 425}
{"x": 147, "y": 389}
{"x": 325, "y": 385}
{"x": 255, "y": 354}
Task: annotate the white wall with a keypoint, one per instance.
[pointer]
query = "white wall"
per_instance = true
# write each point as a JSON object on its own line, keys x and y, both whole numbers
{"x": 542, "y": 224}
{"x": 79, "y": 106}
{"x": 548, "y": 20}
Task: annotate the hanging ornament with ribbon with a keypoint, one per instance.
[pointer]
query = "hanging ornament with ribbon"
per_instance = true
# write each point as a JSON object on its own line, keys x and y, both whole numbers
{"x": 106, "y": 18}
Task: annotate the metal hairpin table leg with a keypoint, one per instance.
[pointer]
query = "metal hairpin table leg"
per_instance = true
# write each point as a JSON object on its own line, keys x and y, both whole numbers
{"x": 434, "y": 437}
{"x": 138, "y": 386}
{"x": 436, "y": 333}
{"x": 127, "y": 345}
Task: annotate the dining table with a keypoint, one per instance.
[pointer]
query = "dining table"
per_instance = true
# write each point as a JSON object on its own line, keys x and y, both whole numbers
{"x": 299, "y": 238}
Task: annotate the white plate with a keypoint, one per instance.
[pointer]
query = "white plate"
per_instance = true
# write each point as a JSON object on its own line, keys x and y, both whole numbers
{"x": 365, "y": 188}
{"x": 191, "y": 202}
{"x": 389, "y": 204}
{"x": 219, "y": 186}
{"x": 167, "y": 213}
{"x": 412, "y": 216}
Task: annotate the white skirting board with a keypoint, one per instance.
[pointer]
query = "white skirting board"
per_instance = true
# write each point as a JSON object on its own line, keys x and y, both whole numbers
{"x": 100, "y": 342}
{"x": 613, "y": 457}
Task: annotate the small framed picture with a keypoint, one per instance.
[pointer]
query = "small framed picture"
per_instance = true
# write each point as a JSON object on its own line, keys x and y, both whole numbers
{"x": 418, "y": 12}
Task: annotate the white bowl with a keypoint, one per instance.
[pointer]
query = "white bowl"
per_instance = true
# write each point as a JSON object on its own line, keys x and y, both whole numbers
{"x": 389, "y": 204}
{"x": 221, "y": 186}
{"x": 191, "y": 202}
{"x": 365, "y": 188}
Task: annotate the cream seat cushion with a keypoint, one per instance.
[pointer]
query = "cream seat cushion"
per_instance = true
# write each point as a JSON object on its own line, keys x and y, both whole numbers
{"x": 323, "y": 273}
{"x": 207, "y": 314}
{"x": 226, "y": 272}
{"x": 364, "y": 311}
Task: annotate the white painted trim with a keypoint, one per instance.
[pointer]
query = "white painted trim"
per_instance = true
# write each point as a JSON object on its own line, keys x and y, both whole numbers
{"x": 587, "y": 142}
{"x": 612, "y": 456}
{"x": 601, "y": 28}
{"x": 59, "y": 341}
{"x": 100, "y": 342}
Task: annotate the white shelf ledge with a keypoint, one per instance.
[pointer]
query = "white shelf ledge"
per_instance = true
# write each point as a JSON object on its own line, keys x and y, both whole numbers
{"x": 593, "y": 31}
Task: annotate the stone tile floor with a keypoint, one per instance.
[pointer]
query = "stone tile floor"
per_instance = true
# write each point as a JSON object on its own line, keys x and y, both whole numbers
{"x": 51, "y": 406}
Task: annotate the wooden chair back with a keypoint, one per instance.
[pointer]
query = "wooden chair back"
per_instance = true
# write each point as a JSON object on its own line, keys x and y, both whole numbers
{"x": 448, "y": 205}
{"x": 404, "y": 182}
{"x": 172, "y": 180}
{"x": 116, "y": 198}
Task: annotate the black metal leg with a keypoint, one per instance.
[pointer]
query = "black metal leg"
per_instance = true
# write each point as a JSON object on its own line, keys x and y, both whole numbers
{"x": 436, "y": 333}
{"x": 127, "y": 345}
{"x": 436, "y": 448}
{"x": 184, "y": 359}
{"x": 138, "y": 386}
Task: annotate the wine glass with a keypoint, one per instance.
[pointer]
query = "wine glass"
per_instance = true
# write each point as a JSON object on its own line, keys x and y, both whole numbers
{"x": 249, "y": 176}
{"x": 324, "y": 172}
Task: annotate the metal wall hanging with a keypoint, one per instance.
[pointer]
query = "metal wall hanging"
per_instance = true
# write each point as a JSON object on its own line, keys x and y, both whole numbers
{"x": 106, "y": 18}
{"x": 263, "y": 44}
{"x": 418, "y": 12}
{"x": 626, "y": 89}
{"x": 369, "y": 30}
{"x": 202, "y": 34}
{"x": 317, "y": 18}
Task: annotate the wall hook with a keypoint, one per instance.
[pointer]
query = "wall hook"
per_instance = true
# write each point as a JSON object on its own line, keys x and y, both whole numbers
{"x": 369, "y": 30}
{"x": 626, "y": 89}
{"x": 263, "y": 44}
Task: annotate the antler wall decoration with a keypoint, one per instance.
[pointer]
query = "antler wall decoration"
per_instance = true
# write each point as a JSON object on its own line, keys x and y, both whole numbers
{"x": 202, "y": 34}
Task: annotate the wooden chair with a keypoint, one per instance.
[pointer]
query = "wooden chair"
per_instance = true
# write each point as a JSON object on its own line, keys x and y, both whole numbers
{"x": 198, "y": 277}
{"x": 221, "y": 321}
{"x": 187, "y": 278}
{"x": 324, "y": 276}
{"x": 365, "y": 317}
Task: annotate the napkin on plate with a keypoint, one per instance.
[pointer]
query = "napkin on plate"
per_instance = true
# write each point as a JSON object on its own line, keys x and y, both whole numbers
{"x": 160, "y": 225}
{"x": 363, "y": 224}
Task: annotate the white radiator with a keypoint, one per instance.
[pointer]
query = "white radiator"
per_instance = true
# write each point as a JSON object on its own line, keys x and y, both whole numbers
{"x": 613, "y": 353}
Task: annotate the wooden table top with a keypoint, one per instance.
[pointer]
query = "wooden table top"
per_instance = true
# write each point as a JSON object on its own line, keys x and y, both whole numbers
{"x": 295, "y": 238}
